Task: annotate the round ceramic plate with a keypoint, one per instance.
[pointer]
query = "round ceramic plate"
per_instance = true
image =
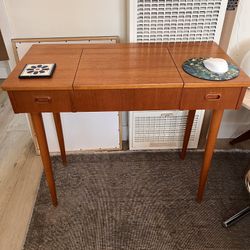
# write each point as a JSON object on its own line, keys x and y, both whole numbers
{"x": 196, "y": 68}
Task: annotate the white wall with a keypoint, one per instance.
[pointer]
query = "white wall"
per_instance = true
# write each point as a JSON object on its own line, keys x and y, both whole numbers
{"x": 236, "y": 122}
{"x": 240, "y": 38}
{"x": 67, "y": 18}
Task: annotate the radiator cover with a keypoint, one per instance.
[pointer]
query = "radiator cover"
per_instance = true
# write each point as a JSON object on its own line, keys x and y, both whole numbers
{"x": 176, "y": 20}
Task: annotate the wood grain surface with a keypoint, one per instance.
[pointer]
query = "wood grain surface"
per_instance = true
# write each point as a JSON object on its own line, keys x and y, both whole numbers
{"x": 126, "y": 99}
{"x": 37, "y": 121}
{"x": 183, "y": 51}
{"x": 210, "y": 98}
{"x": 41, "y": 101}
{"x": 126, "y": 68}
{"x": 66, "y": 65}
{"x": 20, "y": 174}
{"x": 119, "y": 66}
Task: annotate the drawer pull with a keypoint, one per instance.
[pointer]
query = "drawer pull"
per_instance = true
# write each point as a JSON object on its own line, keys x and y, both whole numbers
{"x": 43, "y": 99}
{"x": 213, "y": 97}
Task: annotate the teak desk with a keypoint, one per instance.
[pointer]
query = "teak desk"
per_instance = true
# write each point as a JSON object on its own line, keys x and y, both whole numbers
{"x": 122, "y": 77}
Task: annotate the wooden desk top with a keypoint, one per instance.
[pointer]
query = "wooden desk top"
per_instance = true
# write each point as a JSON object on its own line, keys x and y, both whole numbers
{"x": 182, "y": 51}
{"x": 127, "y": 68}
{"x": 119, "y": 66}
{"x": 67, "y": 62}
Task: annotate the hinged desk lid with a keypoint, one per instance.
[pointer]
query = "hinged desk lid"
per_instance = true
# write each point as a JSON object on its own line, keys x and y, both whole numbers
{"x": 127, "y": 66}
{"x": 66, "y": 59}
{"x": 183, "y": 51}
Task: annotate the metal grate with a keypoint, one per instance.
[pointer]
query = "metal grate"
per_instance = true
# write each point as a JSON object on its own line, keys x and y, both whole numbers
{"x": 162, "y": 129}
{"x": 178, "y": 20}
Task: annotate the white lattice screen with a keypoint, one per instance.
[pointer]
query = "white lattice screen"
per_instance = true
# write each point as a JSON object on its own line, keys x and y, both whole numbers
{"x": 176, "y": 20}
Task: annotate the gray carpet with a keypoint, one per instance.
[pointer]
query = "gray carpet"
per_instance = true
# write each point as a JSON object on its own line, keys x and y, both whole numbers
{"x": 141, "y": 201}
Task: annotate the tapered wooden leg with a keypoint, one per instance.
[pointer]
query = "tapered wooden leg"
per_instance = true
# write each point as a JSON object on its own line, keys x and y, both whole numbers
{"x": 58, "y": 124}
{"x": 211, "y": 140}
{"x": 190, "y": 120}
{"x": 37, "y": 122}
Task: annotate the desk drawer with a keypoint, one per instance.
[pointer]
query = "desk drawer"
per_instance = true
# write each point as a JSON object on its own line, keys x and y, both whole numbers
{"x": 40, "y": 101}
{"x": 210, "y": 98}
{"x": 127, "y": 99}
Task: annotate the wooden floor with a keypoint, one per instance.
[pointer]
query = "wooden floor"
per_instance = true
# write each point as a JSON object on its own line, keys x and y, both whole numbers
{"x": 20, "y": 174}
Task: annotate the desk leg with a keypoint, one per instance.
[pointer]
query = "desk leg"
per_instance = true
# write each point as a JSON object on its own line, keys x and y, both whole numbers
{"x": 211, "y": 140}
{"x": 59, "y": 131}
{"x": 189, "y": 125}
{"x": 37, "y": 121}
